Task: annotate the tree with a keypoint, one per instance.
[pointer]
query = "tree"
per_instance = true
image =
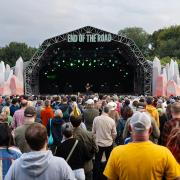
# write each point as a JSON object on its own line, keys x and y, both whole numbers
{"x": 139, "y": 36}
{"x": 166, "y": 42}
{"x": 14, "y": 50}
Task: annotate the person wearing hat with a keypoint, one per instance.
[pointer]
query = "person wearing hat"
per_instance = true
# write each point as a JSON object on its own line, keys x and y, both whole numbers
{"x": 89, "y": 114}
{"x": 29, "y": 118}
{"x": 141, "y": 159}
{"x": 112, "y": 111}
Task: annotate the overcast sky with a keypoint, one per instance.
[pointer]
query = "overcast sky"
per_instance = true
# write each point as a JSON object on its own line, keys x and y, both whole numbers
{"x": 33, "y": 21}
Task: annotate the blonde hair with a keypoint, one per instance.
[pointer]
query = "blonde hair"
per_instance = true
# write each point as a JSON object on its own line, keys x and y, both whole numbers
{"x": 6, "y": 110}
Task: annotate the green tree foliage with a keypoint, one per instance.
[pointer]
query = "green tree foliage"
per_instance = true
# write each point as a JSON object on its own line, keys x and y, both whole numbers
{"x": 166, "y": 42}
{"x": 139, "y": 36}
{"x": 10, "y": 53}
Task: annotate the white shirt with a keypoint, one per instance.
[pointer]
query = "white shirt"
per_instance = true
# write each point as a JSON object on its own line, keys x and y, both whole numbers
{"x": 104, "y": 129}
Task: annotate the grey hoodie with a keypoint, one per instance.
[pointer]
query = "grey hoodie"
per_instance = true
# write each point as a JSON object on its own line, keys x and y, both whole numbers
{"x": 40, "y": 165}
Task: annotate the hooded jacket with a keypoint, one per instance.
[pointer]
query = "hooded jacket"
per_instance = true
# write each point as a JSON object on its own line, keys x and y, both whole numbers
{"x": 153, "y": 112}
{"x": 56, "y": 125}
{"x": 40, "y": 165}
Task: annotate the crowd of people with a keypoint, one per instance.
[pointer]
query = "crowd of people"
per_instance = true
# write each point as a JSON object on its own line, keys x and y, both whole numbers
{"x": 90, "y": 137}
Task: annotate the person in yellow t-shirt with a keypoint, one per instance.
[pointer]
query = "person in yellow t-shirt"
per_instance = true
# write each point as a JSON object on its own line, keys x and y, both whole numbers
{"x": 141, "y": 159}
{"x": 152, "y": 110}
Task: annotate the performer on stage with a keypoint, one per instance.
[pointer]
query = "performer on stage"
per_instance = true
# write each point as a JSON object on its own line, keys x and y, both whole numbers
{"x": 88, "y": 88}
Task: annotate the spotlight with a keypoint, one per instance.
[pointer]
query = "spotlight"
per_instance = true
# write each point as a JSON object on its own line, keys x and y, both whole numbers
{"x": 71, "y": 64}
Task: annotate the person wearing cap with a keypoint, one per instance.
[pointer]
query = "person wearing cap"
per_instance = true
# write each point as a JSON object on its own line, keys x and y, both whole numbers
{"x": 154, "y": 136}
{"x": 112, "y": 111}
{"x": 141, "y": 159}
{"x": 170, "y": 124}
{"x": 89, "y": 114}
{"x": 152, "y": 110}
{"x": 18, "y": 117}
{"x": 29, "y": 118}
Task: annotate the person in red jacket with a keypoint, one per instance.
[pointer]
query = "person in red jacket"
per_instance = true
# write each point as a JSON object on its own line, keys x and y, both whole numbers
{"x": 46, "y": 113}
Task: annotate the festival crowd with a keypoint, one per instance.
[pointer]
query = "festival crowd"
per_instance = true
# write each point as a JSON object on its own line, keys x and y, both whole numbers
{"x": 89, "y": 137}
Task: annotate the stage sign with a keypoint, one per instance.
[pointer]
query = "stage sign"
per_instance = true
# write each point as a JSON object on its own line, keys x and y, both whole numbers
{"x": 89, "y": 38}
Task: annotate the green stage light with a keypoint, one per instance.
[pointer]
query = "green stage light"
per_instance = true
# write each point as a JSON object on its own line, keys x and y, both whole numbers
{"x": 126, "y": 73}
{"x": 110, "y": 60}
{"x": 79, "y": 61}
{"x": 89, "y": 64}
{"x": 112, "y": 65}
{"x": 94, "y": 61}
{"x": 71, "y": 64}
{"x": 82, "y": 64}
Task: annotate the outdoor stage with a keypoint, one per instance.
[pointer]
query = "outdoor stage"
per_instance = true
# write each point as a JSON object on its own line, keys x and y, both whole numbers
{"x": 110, "y": 63}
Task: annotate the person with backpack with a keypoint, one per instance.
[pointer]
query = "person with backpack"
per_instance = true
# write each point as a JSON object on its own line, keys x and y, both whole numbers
{"x": 66, "y": 109}
{"x": 88, "y": 140}
{"x": 73, "y": 151}
{"x": 54, "y": 125}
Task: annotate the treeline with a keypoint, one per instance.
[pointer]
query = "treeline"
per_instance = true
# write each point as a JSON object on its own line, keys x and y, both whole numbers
{"x": 164, "y": 43}
{"x": 10, "y": 53}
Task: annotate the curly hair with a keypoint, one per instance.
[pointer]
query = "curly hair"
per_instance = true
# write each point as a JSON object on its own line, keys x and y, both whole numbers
{"x": 173, "y": 143}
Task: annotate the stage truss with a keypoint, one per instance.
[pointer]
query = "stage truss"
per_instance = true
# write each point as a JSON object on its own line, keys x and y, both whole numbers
{"x": 32, "y": 82}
